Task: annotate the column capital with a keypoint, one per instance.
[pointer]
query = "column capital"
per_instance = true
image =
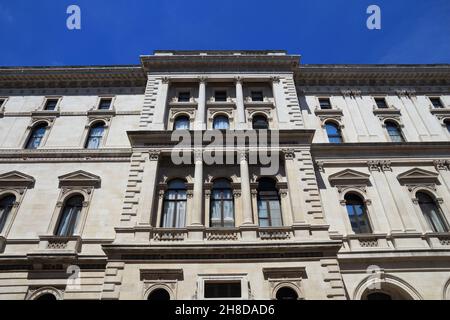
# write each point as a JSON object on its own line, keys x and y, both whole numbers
{"x": 238, "y": 79}
{"x": 202, "y": 79}
{"x": 275, "y": 79}
{"x": 198, "y": 155}
{"x": 154, "y": 155}
{"x": 165, "y": 80}
{"x": 289, "y": 154}
{"x": 243, "y": 156}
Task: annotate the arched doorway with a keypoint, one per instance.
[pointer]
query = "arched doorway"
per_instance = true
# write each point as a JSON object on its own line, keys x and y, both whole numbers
{"x": 159, "y": 295}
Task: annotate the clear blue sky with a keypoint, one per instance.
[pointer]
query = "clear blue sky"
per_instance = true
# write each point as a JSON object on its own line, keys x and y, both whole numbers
{"x": 33, "y": 32}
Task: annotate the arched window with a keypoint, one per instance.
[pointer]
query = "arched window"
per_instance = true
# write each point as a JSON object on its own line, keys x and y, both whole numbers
{"x": 95, "y": 136}
{"x": 221, "y": 123}
{"x": 286, "y": 293}
{"x": 394, "y": 132}
{"x": 447, "y": 124}
{"x": 6, "y": 205}
{"x": 159, "y": 295}
{"x": 333, "y": 132}
{"x": 432, "y": 212}
{"x": 174, "y": 212}
{"x": 36, "y": 136}
{"x": 46, "y": 297}
{"x": 378, "y": 296}
{"x": 269, "y": 209}
{"x": 181, "y": 123}
{"x": 69, "y": 216}
{"x": 260, "y": 122}
{"x": 357, "y": 213}
{"x": 222, "y": 205}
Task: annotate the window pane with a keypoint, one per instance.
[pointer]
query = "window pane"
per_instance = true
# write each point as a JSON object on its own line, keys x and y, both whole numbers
{"x": 220, "y": 96}
{"x": 95, "y": 136}
{"x": 381, "y": 103}
{"x": 105, "y": 104}
{"x": 325, "y": 103}
{"x": 257, "y": 96}
{"x": 69, "y": 217}
{"x": 6, "y": 205}
{"x": 181, "y": 123}
{"x": 221, "y": 123}
{"x": 436, "y": 102}
{"x": 394, "y": 132}
{"x": 432, "y": 212}
{"x": 357, "y": 214}
{"x": 36, "y": 137}
{"x": 447, "y": 124}
{"x": 333, "y": 133}
{"x": 223, "y": 290}
{"x": 260, "y": 122}
{"x": 184, "y": 96}
{"x": 50, "y": 104}
{"x": 168, "y": 214}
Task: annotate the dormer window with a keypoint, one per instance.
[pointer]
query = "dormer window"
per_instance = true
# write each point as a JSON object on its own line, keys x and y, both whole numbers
{"x": 325, "y": 103}
{"x": 50, "y": 104}
{"x": 104, "y": 104}
{"x": 220, "y": 96}
{"x": 381, "y": 103}
{"x": 184, "y": 96}
{"x": 257, "y": 96}
{"x": 437, "y": 103}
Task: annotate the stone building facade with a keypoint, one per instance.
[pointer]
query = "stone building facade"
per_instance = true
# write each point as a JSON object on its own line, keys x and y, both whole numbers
{"x": 93, "y": 204}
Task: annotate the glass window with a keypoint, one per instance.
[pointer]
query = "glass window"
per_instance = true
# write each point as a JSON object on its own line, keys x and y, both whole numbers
{"x": 159, "y": 295}
{"x": 257, "y": 96}
{"x": 174, "y": 209}
{"x": 105, "y": 104}
{"x": 50, "y": 104}
{"x": 47, "y": 297}
{"x": 221, "y": 123}
{"x": 260, "y": 122}
{"x": 269, "y": 209}
{"x": 2, "y": 101}
{"x": 181, "y": 123}
{"x": 333, "y": 132}
{"x": 37, "y": 134}
{"x": 6, "y": 205}
{"x": 394, "y": 132}
{"x": 286, "y": 293}
{"x": 432, "y": 212}
{"x": 222, "y": 205}
{"x": 437, "y": 103}
{"x": 69, "y": 217}
{"x": 381, "y": 103}
{"x": 222, "y": 290}
{"x": 378, "y": 296}
{"x": 325, "y": 103}
{"x": 95, "y": 136}
{"x": 447, "y": 124}
{"x": 184, "y": 96}
{"x": 220, "y": 95}
{"x": 357, "y": 214}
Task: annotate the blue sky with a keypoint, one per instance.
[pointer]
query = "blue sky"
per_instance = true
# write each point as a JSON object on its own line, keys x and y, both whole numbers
{"x": 322, "y": 31}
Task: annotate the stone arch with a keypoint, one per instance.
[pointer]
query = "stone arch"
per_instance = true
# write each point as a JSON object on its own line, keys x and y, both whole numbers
{"x": 36, "y": 294}
{"x": 396, "y": 287}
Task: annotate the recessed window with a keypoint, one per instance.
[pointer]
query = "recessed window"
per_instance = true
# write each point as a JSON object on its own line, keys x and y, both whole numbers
{"x": 447, "y": 124}
{"x": 333, "y": 132}
{"x": 50, "y": 104}
{"x": 159, "y": 295}
{"x": 184, "y": 96}
{"x": 181, "y": 123}
{"x": 95, "y": 136}
{"x": 221, "y": 123}
{"x": 357, "y": 213}
{"x": 47, "y": 297}
{"x": 260, "y": 122}
{"x": 105, "y": 104}
{"x": 222, "y": 290}
{"x": 286, "y": 293}
{"x": 378, "y": 296}
{"x": 394, "y": 132}
{"x": 174, "y": 207}
{"x": 2, "y": 101}
{"x": 437, "y": 103}
{"x": 325, "y": 103}
{"x": 222, "y": 204}
{"x": 220, "y": 96}
{"x": 432, "y": 212}
{"x": 69, "y": 216}
{"x": 257, "y": 96}
{"x": 6, "y": 205}
{"x": 381, "y": 103}
{"x": 36, "y": 136}
{"x": 269, "y": 208}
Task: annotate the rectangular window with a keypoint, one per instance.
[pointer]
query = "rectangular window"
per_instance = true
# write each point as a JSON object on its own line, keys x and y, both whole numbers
{"x": 184, "y": 96}
{"x": 222, "y": 290}
{"x": 50, "y": 104}
{"x": 257, "y": 96}
{"x": 105, "y": 104}
{"x": 220, "y": 96}
{"x": 325, "y": 103}
{"x": 2, "y": 101}
{"x": 381, "y": 103}
{"x": 437, "y": 103}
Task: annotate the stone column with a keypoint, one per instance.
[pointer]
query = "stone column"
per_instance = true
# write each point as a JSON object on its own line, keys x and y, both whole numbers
{"x": 200, "y": 123}
{"x": 240, "y": 125}
{"x": 161, "y": 105}
{"x": 147, "y": 198}
{"x": 196, "y": 226}
{"x": 280, "y": 100}
{"x": 245, "y": 189}
{"x": 293, "y": 180}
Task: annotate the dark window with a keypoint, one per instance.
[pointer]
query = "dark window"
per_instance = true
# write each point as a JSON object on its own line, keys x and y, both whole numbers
{"x": 269, "y": 209}
{"x": 36, "y": 136}
{"x": 381, "y": 103}
{"x": 286, "y": 293}
{"x": 325, "y": 103}
{"x": 357, "y": 214}
{"x": 333, "y": 132}
{"x": 394, "y": 132}
{"x": 221, "y": 123}
{"x": 174, "y": 211}
{"x": 50, "y": 104}
{"x": 432, "y": 212}
{"x": 95, "y": 136}
{"x": 181, "y": 123}
{"x": 447, "y": 124}
{"x": 2, "y": 101}
{"x": 105, "y": 104}
{"x": 222, "y": 204}
{"x": 47, "y": 297}
{"x": 69, "y": 216}
{"x": 159, "y": 295}
{"x": 220, "y": 95}
{"x": 260, "y": 122}
{"x": 184, "y": 96}
{"x": 6, "y": 205}
{"x": 378, "y": 296}
{"x": 222, "y": 290}
{"x": 437, "y": 103}
{"x": 257, "y": 96}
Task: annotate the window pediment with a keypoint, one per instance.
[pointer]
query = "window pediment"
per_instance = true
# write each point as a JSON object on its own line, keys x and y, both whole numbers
{"x": 80, "y": 178}
{"x": 16, "y": 179}
{"x": 349, "y": 177}
{"x": 418, "y": 176}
